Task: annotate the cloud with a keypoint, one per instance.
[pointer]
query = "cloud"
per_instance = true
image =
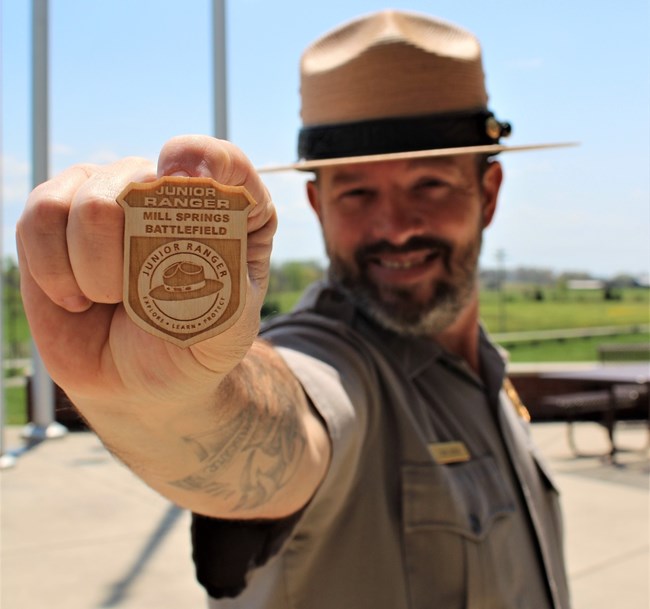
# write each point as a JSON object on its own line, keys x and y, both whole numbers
{"x": 63, "y": 157}
{"x": 638, "y": 194}
{"x": 288, "y": 191}
{"x": 15, "y": 188}
{"x": 531, "y": 167}
{"x": 61, "y": 150}
{"x": 104, "y": 156}
{"x": 298, "y": 236}
{"x": 525, "y": 64}
{"x": 15, "y": 178}
{"x": 9, "y": 241}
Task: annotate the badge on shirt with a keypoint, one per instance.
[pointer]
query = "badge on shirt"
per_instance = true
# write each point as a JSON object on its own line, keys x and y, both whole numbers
{"x": 445, "y": 453}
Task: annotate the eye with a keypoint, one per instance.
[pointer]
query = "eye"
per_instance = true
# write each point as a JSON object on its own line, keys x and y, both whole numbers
{"x": 357, "y": 195}
{"x": 431, "y": 188}
{"x": 430, "y": 184}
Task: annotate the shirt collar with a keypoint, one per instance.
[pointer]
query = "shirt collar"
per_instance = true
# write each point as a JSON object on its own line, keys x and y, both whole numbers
{"x": 413, "y": 354}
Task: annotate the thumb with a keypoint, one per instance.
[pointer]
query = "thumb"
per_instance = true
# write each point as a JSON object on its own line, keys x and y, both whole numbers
{"x": 208, "y": 157}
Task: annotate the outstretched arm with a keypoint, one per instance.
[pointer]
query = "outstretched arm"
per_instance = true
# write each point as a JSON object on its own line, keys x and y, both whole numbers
{"x": 222, "y": 427}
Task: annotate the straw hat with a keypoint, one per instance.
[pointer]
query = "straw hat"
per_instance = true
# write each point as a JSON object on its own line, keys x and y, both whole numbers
{"x": 394, "y": 85}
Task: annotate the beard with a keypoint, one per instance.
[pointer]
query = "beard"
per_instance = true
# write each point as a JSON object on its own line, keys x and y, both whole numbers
{"x": 399, "y": 309}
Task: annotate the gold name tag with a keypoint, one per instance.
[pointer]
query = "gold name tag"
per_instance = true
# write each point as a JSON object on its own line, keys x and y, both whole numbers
{"x": 445, "y": 453}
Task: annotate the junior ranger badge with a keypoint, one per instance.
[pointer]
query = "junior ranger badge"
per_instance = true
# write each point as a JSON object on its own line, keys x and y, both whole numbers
{"x": 185, "y": 256}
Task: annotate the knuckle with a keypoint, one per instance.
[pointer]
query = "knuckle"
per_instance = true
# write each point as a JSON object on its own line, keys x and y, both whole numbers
{"x": 43, "y": 215}
{"x": 97, "y": 212}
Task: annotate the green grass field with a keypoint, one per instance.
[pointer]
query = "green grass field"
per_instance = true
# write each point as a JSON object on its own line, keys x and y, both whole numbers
{"x": 516, "y": 312}
{"x": 15, "y": 406}
{"x": 574, "y": 350}
{"x": 282, "y": 302}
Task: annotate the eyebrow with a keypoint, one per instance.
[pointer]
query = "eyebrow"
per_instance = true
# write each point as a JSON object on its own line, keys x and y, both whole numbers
{"x": 342, "y": 178}
{"x": 430, "y": 162}
{"x": 348, "y": 175}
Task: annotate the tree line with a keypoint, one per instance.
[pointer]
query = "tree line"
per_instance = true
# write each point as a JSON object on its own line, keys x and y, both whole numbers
{"x": 293, "y": 276}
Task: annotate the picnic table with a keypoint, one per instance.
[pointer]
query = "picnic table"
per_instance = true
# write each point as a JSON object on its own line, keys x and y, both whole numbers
{"x": 607, "y": 392}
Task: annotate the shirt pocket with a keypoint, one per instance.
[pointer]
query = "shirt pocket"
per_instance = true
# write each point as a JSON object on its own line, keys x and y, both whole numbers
{"x": 448, "y": 512}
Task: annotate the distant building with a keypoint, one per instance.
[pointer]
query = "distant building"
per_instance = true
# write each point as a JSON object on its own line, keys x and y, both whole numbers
{"x": 643, "y": 281}
{"x": 585, "y": 284}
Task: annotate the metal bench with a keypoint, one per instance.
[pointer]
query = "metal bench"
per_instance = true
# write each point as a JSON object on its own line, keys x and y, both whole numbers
{"x": 602, "y": 406}
{"x": 631, "y": 352}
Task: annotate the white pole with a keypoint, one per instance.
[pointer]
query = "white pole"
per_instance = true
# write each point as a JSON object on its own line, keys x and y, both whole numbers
{"x": 6, "y": 459}
{"x": 42, "y": 424}
{"x": 219, "y": 73}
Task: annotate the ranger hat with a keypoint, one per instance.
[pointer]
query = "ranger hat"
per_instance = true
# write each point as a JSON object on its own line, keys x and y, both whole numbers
{"x": 395, "y": 85}
{"x": 185, "y": 281}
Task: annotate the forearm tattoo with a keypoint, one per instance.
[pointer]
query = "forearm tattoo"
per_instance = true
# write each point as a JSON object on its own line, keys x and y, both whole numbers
{"x": 265, "y": 442}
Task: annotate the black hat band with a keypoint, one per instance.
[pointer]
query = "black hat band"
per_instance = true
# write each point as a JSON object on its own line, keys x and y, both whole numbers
{"x": 406, "y": 134}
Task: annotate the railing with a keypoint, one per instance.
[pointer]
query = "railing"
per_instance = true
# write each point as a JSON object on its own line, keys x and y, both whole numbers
{"x": 537, "y": 336}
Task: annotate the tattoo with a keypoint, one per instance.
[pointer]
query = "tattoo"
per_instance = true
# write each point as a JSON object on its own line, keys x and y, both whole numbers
{"x": 265, "y": 440}
{"x": 218, "y": 448}
{"x": 273, "y": 454}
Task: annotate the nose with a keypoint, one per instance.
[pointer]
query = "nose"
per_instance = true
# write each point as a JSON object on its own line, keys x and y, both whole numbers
{"x": 394, "y": 220}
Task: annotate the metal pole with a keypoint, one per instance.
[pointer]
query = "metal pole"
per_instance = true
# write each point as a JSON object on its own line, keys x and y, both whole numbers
{"x": 219, "y": 74}
{"x": 43, "y": 424}
{"x": 501, "y": 256}
{"x": 6, "y": 459}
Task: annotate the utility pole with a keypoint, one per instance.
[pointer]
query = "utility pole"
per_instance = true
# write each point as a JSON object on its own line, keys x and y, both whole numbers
{"x": 501, "y": 257}
{"x": 219, "y": 69}
{"x": 42, "y": 425}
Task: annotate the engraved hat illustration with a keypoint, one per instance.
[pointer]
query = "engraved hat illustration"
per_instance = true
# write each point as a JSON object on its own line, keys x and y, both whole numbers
{"x": 184, "y": 281}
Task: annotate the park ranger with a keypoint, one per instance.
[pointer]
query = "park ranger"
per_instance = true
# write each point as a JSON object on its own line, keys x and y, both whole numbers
{"x": 365, "y": 451}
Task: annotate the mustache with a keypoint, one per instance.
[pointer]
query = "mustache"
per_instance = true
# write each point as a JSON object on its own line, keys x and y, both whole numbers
{"x": 437, "y": 245}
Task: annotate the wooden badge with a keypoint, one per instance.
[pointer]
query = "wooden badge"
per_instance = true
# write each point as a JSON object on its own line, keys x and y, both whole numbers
{"x": 185, "y": 256}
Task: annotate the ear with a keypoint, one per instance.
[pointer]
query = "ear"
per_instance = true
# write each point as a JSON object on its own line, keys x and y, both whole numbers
{"x": 313, "y": 194}
{"x": 491, "y": 184}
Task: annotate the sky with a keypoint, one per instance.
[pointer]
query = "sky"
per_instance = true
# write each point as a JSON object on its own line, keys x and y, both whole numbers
{"x": 126, "y": 75}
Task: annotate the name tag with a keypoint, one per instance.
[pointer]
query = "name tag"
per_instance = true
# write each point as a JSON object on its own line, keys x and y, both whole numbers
{"x": 445, "y": 453}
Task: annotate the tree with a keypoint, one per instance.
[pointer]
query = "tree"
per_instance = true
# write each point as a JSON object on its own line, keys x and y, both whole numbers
{"x": 13, "y": 314}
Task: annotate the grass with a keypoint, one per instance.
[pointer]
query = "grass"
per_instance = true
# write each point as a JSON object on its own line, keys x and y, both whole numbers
{"x": 575, "y": 350}
{"x": 517, "y": 312}
{"x": 282, "y": 302}
{"x": 15, "y": 405}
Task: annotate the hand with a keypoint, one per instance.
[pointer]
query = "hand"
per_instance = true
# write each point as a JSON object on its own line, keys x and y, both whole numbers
{"x": 70, "y": 241}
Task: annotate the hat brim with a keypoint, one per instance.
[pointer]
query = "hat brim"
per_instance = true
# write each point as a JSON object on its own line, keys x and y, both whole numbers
{"x": 415, "y": 154}
{"x": 211, "y": 287}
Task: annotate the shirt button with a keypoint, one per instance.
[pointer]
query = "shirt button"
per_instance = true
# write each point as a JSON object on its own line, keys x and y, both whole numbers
{"x": 475, "y": 524}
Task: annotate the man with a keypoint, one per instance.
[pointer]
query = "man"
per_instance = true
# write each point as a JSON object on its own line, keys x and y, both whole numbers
{"x": 364, "y": 452}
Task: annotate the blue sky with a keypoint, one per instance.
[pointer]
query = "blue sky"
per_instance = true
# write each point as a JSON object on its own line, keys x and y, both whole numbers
{"x": 125, "y": 75}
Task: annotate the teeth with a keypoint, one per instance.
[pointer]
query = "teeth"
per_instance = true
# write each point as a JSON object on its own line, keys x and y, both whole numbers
{"x": 405, "y": 262}
{"x": 397, "y": 265}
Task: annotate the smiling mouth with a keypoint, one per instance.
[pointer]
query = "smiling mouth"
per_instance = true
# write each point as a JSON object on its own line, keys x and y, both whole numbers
{"x": 406, "y": 262}
{"x": 398, "y": 263}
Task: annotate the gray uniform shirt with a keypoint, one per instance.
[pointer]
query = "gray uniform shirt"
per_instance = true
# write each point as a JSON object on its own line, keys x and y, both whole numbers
{"x": 435, "y": 496}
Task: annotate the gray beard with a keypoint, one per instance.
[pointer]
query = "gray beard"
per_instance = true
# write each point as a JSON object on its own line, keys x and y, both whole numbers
{"x": 401, "y": 314}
